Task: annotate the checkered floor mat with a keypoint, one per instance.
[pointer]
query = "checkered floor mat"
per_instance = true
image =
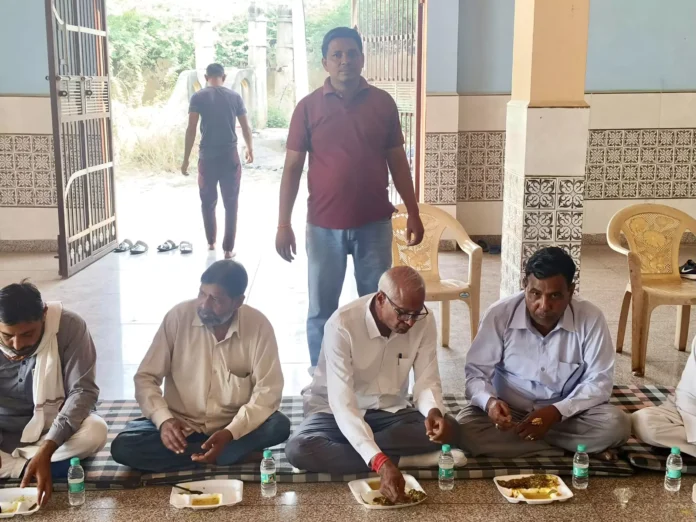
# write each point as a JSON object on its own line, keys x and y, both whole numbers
{"x": 640, "y": 455}
{"x": 103, "y": 473}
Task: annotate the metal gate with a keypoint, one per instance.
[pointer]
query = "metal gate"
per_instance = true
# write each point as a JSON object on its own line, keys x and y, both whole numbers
{"x": 79, "y": 77}
{"x": 392, "y": 43}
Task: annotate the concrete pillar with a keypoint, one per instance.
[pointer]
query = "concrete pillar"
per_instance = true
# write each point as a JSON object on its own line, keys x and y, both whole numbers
{"x": 258, "y": 61}
{"x": 204, "y": 46}
{"x": 546, "y": 134}
{"x": 284, "y": 73}
{"x": 300, "y": 50}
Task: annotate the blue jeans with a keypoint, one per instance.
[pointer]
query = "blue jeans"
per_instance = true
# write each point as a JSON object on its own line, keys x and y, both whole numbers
{"x": 327, "y": 253}
{"x": 139, "y": 446}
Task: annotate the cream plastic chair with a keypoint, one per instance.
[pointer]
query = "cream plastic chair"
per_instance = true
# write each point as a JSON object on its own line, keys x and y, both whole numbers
{"x": 653, "y": 233}
{"x": 424, "y": 258}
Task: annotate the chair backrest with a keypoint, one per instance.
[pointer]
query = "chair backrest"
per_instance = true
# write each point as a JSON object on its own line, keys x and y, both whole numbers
{"x": 423, "y": 257}
{"x": 654, "y": 233}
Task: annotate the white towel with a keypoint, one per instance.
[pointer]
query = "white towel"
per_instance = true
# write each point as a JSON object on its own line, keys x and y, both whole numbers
{"x": 48, "y": 388}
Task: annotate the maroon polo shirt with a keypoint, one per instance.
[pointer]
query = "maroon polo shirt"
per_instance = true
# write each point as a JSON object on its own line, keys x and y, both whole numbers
{"x": 347, "y": 144}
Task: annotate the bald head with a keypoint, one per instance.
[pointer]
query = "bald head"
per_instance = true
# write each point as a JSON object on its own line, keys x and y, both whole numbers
{"x": 403, "y": 282}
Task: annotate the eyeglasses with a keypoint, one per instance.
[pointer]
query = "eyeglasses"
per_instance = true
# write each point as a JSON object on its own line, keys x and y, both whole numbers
{"x": 405, "y": 315}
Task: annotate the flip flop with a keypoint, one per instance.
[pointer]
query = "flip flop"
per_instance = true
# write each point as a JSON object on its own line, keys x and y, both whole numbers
{"x": 124, "y": 246}
{"x": 167, "y": 246}
{"x": 185, "y": 247}
{"x": 140, "y": 247}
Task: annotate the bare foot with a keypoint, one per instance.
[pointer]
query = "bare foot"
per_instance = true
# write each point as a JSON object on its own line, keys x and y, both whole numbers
{"x": 609, "y": 455}
{"x": 229, "y": 254}
{"x": 211, "y": 247}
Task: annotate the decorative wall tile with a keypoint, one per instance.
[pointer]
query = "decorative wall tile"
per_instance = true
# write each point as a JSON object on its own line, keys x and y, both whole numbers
{"x": 481, "y": 157}
{"x": 640, "y": 163}
{"x": 27, "y": 173}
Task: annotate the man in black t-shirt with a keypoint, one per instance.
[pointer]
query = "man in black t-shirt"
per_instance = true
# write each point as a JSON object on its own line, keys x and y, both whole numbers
{"x": 218, "y": 109}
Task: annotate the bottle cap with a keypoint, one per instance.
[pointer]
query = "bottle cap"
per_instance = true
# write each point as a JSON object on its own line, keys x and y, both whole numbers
{"x": 582, "y": 448}
{"x": 676, "y": 451}
{"x": 74, "y": 461}
{"x": 267, "y": 454}
{"x": 446, "y": 448}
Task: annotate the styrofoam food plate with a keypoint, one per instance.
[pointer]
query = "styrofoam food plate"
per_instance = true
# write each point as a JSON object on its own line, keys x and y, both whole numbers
{"x": 230, "y": 490}
{"x": 10, "y": 495}
{"x": 564, "y": 491}
{"x": 364, "y": 490}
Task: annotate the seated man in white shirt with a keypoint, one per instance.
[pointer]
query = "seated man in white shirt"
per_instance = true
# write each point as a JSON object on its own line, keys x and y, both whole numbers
{"x": 539, "y": 374}
{"x": 223, "y": 383}
{"x": 357, "y": 414}
{"x": 672, "y": 424}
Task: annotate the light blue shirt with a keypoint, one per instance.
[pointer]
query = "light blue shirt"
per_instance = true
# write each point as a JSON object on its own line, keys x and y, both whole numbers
{"x": 571, "y": 368}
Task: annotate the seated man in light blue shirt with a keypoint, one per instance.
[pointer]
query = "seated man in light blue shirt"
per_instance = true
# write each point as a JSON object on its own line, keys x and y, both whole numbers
{"x": 540, "y": 372}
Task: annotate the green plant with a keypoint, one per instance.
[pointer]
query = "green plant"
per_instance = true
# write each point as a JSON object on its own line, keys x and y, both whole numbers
{"x": 277, "y": 118}
{"x": 139, "y": 43}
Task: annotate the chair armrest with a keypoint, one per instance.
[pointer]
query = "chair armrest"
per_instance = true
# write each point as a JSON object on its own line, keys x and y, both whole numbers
{"x": 475, "y": 254}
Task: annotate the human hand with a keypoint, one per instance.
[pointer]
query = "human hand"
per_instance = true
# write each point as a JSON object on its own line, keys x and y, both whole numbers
{"x": 285, "y": 243}
{"x": 249, "y": 155}
{"x": 437, "y": 427}
{"x": 532, "y": 429}
{"x": 414, "y": 229}
{"x": 499, "y": 413}
{"x": 213, "y": 446}
{"x": 172, "y": 435}
{"x": 392, "y": 483}
{"x": 40, "y": 468}
{"x": 184, "y": 167}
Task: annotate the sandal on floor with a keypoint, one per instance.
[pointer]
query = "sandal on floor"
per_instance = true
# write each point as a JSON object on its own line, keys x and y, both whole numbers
{"x": 140, "y": 247}
{"x": 124, "y": 246}
{"x": 185, "y": 247}
{"x": 167, "y": 246}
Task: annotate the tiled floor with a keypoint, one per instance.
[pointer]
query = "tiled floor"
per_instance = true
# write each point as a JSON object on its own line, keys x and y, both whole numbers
{"x": 123, "y": 299}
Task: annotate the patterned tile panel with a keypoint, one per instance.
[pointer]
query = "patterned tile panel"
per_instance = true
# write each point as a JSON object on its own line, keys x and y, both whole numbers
{"x": 27, "y": 171}
{"x": 641, "y": 164}
{"x": 480, "y": 159}
{"x": 441, "y": 167}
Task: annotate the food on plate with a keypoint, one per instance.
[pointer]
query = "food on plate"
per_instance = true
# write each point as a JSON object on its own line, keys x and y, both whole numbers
{"x": 412, "y": 496}
{"x": 374, "y": 484}
{"x": 13, "y": 507}
{"x": 537, "y": 421}
{"x": 214, "y": 499}
{"x": 530, "y": 482}
{"x": 535, "y": 493}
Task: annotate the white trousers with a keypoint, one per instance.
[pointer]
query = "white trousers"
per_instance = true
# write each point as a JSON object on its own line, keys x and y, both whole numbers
{"x": 85, "y": 442}
{"x": 663, "y": 427}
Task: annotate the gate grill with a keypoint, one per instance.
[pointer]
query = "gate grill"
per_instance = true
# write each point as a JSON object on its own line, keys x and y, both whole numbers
{"x": 80, "y": 99}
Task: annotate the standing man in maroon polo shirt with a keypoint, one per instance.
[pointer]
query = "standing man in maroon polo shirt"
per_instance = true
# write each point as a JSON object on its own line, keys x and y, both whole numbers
{"x": 353, "y": 135}
{"x": 218, "y": 108}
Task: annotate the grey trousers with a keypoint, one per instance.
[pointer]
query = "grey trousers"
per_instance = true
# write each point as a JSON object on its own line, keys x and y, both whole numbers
{"x": 319, "y": 446}
{"x": 599, "y": 428}
{"x": 663, "y": 427}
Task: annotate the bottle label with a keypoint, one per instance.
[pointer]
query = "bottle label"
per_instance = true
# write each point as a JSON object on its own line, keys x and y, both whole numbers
{"x": 581, "y": 472}
{"x": 76, "y": 487}
{"x": 446, "y": 473}
{"x": 674, "y": 473}
{"x": 268, "y": 478}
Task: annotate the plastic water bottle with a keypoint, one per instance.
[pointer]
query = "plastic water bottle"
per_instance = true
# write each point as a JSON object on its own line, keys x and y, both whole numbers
{"x": 674, "y": 471}
{"x": 581, "y": 468}
{"x": 446, "y": 469}
{"x": 76, "y": 483}
{"x": 268, "y": 475}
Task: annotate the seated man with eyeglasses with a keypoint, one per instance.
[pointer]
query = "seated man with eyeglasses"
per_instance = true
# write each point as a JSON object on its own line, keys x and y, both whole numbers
{"x": 358, "y": 417}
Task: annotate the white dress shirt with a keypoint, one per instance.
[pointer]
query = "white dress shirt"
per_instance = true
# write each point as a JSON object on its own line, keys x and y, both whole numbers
{"x": 571, "y": 368}
{"x": 236, "y": 383}
{"x": 361, "y": 370}
{"x": 686, "y": 396}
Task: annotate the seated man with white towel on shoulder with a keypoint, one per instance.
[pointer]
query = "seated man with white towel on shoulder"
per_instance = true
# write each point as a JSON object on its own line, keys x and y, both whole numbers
{"x": 47, "y": 389}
